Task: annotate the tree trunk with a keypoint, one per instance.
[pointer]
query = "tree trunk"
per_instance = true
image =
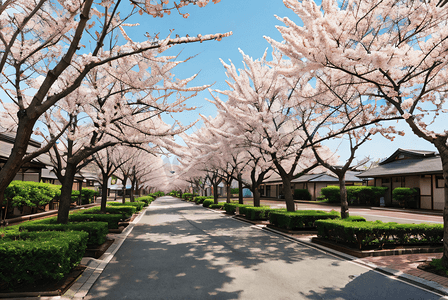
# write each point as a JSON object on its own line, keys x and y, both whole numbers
{"x": 343, "y": 192}
{"x": 123, "y": 199}
{"x": 443, "y": 151}
{"x": 257, "y": 198}
{"x": 132, "y": 190}
{"x": 290, "y": 206}
{"x": 66, "y": 194}
{"x": 215, "y": 193}
{"x": 104, "y": 193}
{"x": 80, "y": 190}
{"x": 228, "y": 192}
{"x": 240, "y": 190}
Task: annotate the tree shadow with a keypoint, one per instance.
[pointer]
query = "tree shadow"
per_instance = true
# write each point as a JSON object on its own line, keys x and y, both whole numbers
{"x": 372, "y": 285}
{"x": 182, "y": 251}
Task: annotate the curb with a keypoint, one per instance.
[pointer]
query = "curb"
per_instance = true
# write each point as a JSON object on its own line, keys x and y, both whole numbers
{"x": 420, "y": 282}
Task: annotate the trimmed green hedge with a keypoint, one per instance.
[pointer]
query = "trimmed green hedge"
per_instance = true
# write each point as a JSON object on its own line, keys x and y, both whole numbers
{"x": 32, "y": 194}
{"x": 157, "y": 194}
{"x": 97, "y": 230}
{"x": 146, "y": 199}
{"x": 207, "y": 202}
{"x": 302, "y": 194}
{"x": 125, "y": 210}
{"x": 220, "y": 205}
{"x": 111, "y": 219}
{"x": 31, "y": 256}
{"x": 363, "y": 234}
{"x": 363, "y": 195}
{"x": 87, "y": 195}
{"x": 138, "y": 205}
{"x": 230, "y": 208}
{"x": 260, "y": 213}
{"x": 406, "y": 197}
{"x": 300, "y": 219}
{"x": 201, "y": 199}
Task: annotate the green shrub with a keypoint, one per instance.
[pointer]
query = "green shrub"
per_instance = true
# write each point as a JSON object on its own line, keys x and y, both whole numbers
{"x": 146, "y": 199}
{"x": 200, "y": 199}
{"x": 40, "y": 255}
{"x": 220, "y": 205}
{"x": 32, "y": 194}
{"x": 363, "y": 195}
{"x": 234, "y": 191}
{"x": 406, "y": 197}
{"x": 302, "y": 194}
{"x": 300, "y": 218}
{"x": 111, "y": 219}
{"x": 331, "y": 193}
{"x": 126, "y": 211}
{"x": 355, "y": 219}
{"x": 378, "y": 234}
{"x": 157, "y": 194}
{"x": 230, "y": 208}
{"x": 88, "y": 195}
{"x": 138, "y": 204}
{"x": 260, "y": 213}
{"x": 97, "y": 230}
{"x": 207, "y": 202}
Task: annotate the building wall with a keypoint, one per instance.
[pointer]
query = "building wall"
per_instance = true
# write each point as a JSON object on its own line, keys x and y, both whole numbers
{"x": 27, "y": 177}
{"x": 439, "y": 196}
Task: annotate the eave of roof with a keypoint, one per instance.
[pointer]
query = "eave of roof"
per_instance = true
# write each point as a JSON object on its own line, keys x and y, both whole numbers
{"x": 426, "y": 165}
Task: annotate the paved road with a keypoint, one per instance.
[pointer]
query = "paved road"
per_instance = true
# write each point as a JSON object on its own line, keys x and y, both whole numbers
{"x": 182, "y": 251}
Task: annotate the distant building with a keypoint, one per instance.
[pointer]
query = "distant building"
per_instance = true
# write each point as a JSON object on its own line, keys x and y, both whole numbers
{"x": 40, "y": 168}
{"x": 413, "y": 169}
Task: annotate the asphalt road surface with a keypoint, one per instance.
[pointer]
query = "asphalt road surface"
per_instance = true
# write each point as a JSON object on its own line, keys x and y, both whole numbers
{"x": 182, "y": 251}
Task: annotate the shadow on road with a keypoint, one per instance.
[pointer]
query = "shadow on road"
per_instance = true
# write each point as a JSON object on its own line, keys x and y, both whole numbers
{"x": 182, "y": 251}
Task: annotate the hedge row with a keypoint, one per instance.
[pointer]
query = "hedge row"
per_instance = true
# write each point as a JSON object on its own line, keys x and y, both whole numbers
{"x": 201, "y": 199}
{"x": 157, "y": 194}
{"x": 111, "y": 219}
{"x": 48, "y": 255}
{"x": 230, "y": 208}
{"x": 138, "y": 204}
{"x": 300, "y": 218}
{"x": 97, "y": 230}
{"x": 125, "y": 210}
{"x": 220, "y": 205}
{"x": 32, "y": 194}
{"x": 363, "y": 234}
{"x": 146, "y": 199}
{"x": 355, "y": 194}
{"x": 259, "y": 213}
{"x": 207, "y": 202}
{"x": 87, "y": 195}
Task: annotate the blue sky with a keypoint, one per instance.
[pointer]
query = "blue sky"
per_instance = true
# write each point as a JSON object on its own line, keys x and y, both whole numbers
{"x": 249, "y": 21}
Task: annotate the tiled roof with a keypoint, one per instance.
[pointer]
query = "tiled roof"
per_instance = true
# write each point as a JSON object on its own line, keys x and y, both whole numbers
{"x": 418, "y": 166}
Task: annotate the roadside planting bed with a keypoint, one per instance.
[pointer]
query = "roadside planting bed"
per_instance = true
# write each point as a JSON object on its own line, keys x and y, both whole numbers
{"x": 378, "y": 235}
{"x": 44, "y": 251}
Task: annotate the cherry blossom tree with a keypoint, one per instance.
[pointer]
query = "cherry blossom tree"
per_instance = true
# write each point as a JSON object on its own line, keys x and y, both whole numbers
{"x": 107, "y": 164}
{"x": 396, "y": 51}
{"x": 261, "y": 104}
{"x": 49, "y": 47}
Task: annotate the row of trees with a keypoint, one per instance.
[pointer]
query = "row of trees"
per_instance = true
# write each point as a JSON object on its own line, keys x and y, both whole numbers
{"x": 71, "y": 73}
{"x": 350, "y": 67}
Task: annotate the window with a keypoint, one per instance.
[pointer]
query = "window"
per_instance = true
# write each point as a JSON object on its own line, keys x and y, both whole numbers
{"x": 439, "y": 181}
{"x": 385, "y": 180}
